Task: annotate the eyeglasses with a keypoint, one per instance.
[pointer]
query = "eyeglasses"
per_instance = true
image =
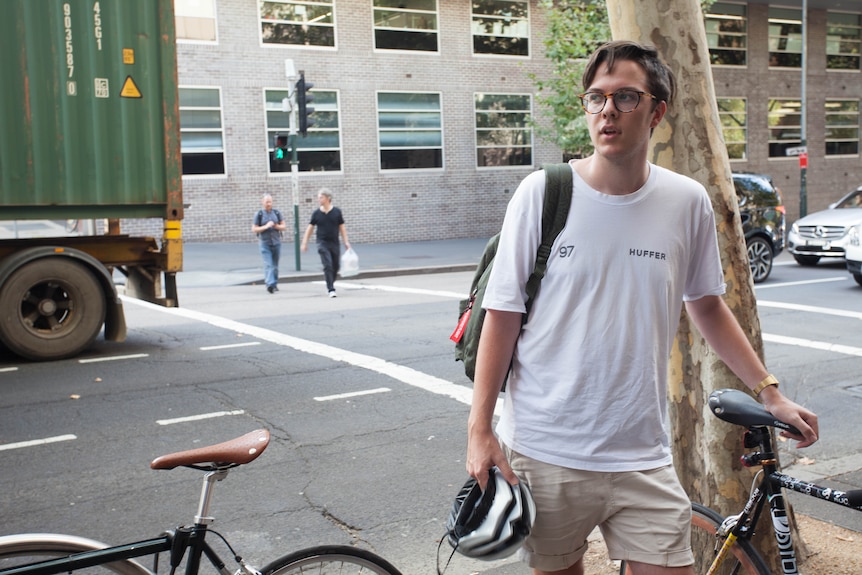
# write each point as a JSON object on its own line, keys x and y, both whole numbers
{"x": 625, "y": 101}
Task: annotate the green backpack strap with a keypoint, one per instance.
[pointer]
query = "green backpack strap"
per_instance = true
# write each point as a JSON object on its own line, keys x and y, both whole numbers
{"x": 555, "y": 211}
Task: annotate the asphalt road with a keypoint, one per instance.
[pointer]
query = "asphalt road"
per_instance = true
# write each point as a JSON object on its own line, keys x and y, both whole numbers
{"x": 365, "y": 403}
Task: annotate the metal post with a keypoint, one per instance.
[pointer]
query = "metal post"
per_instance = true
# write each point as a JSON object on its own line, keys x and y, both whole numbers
{"x": 803, "y": 163}
{"x": 293, "y": 118}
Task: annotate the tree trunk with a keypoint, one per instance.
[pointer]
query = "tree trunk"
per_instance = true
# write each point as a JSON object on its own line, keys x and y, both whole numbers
{"x": 689, "y": 141}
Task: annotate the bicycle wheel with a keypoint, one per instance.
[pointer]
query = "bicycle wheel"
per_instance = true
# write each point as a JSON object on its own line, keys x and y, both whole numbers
{"x": 26, "y": 548}
{"x": 743, "y": 559}
{"x": 331, "y": 560}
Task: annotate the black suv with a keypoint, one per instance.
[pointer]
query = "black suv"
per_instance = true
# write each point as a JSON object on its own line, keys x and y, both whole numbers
{"x": 762, "y": 211}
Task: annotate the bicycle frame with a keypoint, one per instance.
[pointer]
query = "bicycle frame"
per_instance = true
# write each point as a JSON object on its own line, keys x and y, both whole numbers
{"x": 743, "y": 526}
{"x": 176, "y": 542}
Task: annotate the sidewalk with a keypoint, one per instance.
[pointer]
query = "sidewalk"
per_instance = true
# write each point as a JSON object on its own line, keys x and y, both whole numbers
{"x": 223, "y": 264}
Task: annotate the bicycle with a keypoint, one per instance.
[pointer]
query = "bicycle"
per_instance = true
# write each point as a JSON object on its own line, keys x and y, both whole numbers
{"x": 723, "y": 545}
{"x": 49, "y": 554}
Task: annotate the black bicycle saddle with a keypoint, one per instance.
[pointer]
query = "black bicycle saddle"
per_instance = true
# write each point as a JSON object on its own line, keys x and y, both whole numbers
{"x": 734, "y": 406}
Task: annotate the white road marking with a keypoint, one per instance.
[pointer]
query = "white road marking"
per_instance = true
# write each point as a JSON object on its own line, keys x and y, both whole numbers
{"x": 800, "y": 283}
{"x": 199, "y": 417}
{"x": 8, "y": 369}
{"x": 352, "y": 394}
{"x": 228, "y": 346}
{"x": 380, "y": 287}
{"x": 398, "y": 372}
{"x": 811, "y": 309}
{"x": 113, "y": 358}
{"x": 36, "y": 442}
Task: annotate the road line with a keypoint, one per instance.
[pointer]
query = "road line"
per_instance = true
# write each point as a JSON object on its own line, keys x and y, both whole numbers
{"x": 199, "y": 417}
{"x": 759, "y": 287}
{"x": 398, "y": 372}
{"x": 7, "y": 369}
{"x": 228, "y": 346}
{"x": 811, "y": 309}
{"x": 113, "y": 358}
{"x": 352, "y": 394}
{"x": 380, "y": 287}
{"x": 35, "y": 442}
{"x": 811, "y": 344}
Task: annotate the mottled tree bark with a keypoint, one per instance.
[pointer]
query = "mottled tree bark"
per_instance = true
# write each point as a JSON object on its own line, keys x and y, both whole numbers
{"x": 689, "y": 141}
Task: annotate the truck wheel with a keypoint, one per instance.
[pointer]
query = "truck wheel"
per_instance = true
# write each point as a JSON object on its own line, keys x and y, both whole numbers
{"x": 50, "y": 308}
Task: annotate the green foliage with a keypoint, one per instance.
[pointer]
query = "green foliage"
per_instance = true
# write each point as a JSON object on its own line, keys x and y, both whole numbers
{"x": 575, "y": 29}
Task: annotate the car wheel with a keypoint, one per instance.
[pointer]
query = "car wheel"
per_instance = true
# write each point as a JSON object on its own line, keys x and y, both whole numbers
{"x": 806, "y": 260}
{"x": 858, "y": 278}
{"x": 759, "y": 258}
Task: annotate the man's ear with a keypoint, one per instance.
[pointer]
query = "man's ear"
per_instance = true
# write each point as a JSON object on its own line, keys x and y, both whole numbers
{"x": 658, "y": 113}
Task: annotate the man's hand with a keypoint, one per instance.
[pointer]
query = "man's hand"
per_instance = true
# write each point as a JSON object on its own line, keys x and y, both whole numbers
{"x": 790, "y": 412}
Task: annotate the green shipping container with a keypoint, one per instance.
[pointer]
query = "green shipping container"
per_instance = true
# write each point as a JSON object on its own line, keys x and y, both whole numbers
{"x": 88, "y": 109}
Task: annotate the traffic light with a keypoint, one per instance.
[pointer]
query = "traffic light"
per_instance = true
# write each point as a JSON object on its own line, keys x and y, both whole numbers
{"x": 280, "y": 154}
{"x": 303, "y": 99}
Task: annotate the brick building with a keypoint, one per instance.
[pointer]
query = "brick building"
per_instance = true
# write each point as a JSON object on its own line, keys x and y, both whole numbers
{"x": 421, "y": 107}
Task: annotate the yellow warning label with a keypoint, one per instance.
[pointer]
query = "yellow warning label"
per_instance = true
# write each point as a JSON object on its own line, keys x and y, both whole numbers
{"x": 130, "y": 89}
{"x": 128, "y": 56}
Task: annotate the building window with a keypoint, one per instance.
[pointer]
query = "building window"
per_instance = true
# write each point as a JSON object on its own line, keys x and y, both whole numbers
{"x": 196, "y": 20}
{"x": 297, "y": 22}
{"x": 503, "y": 134}
{"x": 785, "y": 126}
{"x": 727, "y": 34}
{"x": 410, "y": 130}
{"x": 733, "y": 116}
{"x": 501, "y": 27}
{"x": 842, "y": 127}
{"x": 843, "y": 40}
{"x": 785, "y": 37}
{"x": 320, "y": 150}
{"x": 405, "y": 25}
{"x": 201, "y": 134}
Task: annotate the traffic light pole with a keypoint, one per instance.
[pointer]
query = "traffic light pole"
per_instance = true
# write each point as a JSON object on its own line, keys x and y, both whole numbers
{"x": 294, "y": 184}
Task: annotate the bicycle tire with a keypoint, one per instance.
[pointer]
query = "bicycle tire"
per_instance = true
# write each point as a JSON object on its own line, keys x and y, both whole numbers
{"x": 331, "y": 560}
{"x": 26, "y": 548}
{"x": 743, "y": 558}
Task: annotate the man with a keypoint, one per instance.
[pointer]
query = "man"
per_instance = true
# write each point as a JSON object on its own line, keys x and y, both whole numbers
{"x": 268, "y": 225}
{"x": 585, "y": 414}
{"x": 330, "y": 223}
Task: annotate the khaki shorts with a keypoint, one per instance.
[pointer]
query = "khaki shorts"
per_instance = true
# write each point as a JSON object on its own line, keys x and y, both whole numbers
{"x": 644, "y": 516}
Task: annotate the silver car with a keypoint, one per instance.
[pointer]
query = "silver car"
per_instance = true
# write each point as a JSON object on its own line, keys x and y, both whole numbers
{"x": 825, "y": 234}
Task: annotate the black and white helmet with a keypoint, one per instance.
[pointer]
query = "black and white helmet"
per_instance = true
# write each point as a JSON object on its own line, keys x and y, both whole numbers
{"x": 490, "y": 524}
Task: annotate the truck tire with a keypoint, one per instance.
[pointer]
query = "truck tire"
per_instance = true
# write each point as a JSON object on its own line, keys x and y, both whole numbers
{"x": 51, "y": 308}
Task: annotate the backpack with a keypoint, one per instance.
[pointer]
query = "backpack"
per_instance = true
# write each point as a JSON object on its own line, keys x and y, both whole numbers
{"x": 258, "y": 219}
{"x": 555, "y": 211}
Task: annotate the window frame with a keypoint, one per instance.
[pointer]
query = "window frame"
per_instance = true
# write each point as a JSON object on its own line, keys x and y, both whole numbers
{"x": 378, "y": 31}
{"x": 220, "y": 130}
{"x": 316, "y": 131}
{"x": 785, "y": 143}
{"x": 476, "y": 22}
{"x": 331, "y": 27}
{"x": 853, "y": 127}
{"x": 779, "y": 15}
{"x": 719, "y": 18}
{"x": 525, "y": 128}
{"x": 857, "y": 40}
{"x": 214, "y": 18}
{"x": 380, "y": 131}
{"x": 726, "y": 128}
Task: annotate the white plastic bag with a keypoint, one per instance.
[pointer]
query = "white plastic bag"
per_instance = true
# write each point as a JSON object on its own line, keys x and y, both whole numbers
{"x": 349, "y": 264}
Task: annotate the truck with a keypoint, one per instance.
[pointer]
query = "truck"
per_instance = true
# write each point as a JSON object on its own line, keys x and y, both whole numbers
{"x": 90, "y": 131}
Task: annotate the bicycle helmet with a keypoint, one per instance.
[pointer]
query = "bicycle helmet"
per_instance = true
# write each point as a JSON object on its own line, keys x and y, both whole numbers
{"x": 490, "y": 524}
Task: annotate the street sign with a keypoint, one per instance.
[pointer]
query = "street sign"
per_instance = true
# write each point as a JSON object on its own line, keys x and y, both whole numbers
{"x": 796, "y": 150}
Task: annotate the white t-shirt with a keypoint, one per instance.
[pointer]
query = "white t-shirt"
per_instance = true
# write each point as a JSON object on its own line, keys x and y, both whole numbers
{"x": 588, "y": 388}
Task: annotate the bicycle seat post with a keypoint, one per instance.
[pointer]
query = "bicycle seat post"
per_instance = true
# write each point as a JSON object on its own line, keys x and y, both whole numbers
{"x": 203, "y": 517}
